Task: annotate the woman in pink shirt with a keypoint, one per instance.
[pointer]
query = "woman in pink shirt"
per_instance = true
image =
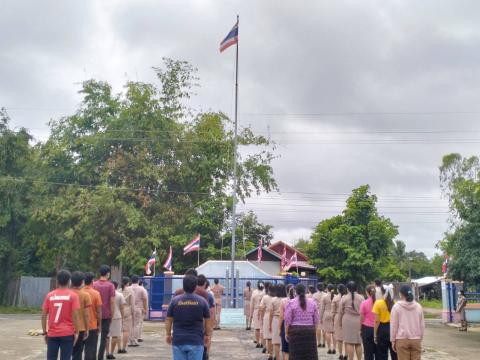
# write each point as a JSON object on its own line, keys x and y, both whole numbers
{"x": 407, "y": 326}
{"x": 367, "y": 318}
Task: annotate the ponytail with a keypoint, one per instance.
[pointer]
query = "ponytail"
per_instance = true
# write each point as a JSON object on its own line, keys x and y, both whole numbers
{"x": 125, "y": 282}
{"x": 331, "y": 290}
{"x": 371, "y": 291}
{"x": 300, "y": 289}
{"x": 407, "y": 292}
{"x": 352, "y": 287}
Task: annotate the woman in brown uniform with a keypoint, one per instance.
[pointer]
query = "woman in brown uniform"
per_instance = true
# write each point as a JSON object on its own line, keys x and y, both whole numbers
{"x": 318, "y": 296}
{"x": 247, "y": 296}
{"x": 265, "y": 308}
{"x": 280, "y": 293}
{"x": 461, "y": 304}
{"x": 257, "y": 296}
{"x": 337, "y": 326}
{"x": 326, "y": 318}
{"x": 350, "y": 320}
{"x": 128, "y": 311}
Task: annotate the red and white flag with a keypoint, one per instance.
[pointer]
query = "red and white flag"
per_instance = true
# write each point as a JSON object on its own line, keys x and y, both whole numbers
{"x": 151, "y": 262}
{"x": 193, "y": 245}
{"x": 259, "y": 251}
{"x": 168, "y": 263}
{"x": 284, "y": 261}
{"x": 293, "y": 261}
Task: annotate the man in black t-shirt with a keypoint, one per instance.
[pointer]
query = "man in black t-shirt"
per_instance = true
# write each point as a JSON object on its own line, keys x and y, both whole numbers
{"x": 190, "y": 316}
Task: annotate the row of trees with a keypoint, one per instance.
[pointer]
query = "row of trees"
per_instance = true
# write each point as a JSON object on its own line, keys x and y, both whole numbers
{"x": 126, "y": 173}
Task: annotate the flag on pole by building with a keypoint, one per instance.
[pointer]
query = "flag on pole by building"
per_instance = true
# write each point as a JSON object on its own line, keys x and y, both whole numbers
{"x": 260, "y": 249}
{"x": 293, "y": 261}
{"x": 230, "y": 39}
{"x": 168, "y": 263}
{"x": 284, "y": 261}
{"x": 151, "y": 262}
{"x": 193, "y": 245}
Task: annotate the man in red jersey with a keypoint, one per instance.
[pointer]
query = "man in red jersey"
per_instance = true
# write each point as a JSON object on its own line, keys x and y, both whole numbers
{"x": 61, "y": 306}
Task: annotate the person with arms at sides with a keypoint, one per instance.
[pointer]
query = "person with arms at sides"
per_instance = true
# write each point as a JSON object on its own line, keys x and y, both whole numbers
{"x": 190, "y": 316}
{"x": 116, "y": 325}
{"x": 382, "y": 308}
{"x": 301, "y": 319}
{"x": 107, "y": 293}
{"x": 290, "y": 296}
{"x": 200, "y": 290}
{"x": 140, "y": 309}
{"x": 407, "y": 326}
{"x": 202, "y": 285}
{"x": 84, "y": 319}
{"x": 142, "y": 284}
{"x": 367, "y": 318}
{"x": 61, "y": 306}
{"x": 247, "y": 297}
{"x": 257, "y": 296}
{"x": 337, "y": 325}
{"x": 350, "y": 320}
{"x": 128, "y": 313}
{"x": 378, "y": 289}
{"x": 326, "y": 318}
{"x": 460, "y": 310}
{"x": 265, "y": 308}
{"x": 311, "y": 291}
{"x": 274, "y": 320}
{"x": 218, "y": 291}
{"x": 318, "y": 296}
{"x": 95, "y": 317}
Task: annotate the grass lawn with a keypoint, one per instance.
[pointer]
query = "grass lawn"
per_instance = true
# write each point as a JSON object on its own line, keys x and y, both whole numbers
{"x": 432, "y": 304}
{"x": 19, "y": 310}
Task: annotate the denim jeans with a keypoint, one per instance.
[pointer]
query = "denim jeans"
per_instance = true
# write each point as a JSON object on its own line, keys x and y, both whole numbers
{"x": 62, "y": 343}
{"x": 187, "y": 352}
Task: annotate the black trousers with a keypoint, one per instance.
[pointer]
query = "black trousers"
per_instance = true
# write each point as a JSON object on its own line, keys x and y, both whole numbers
{"x": 103, "y": 338}
{"x": 369, "y": 346}
{"x": 383, "y": 343}
{"x": 91, "y": 345}
{"x": 78, "y": 347}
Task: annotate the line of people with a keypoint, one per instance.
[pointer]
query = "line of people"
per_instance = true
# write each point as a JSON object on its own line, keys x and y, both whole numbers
{"x": 291, "y": 323}
{"x": 88, "y": 319}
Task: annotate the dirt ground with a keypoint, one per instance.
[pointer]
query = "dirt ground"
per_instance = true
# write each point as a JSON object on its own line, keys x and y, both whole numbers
{"x": 441, "y": 342}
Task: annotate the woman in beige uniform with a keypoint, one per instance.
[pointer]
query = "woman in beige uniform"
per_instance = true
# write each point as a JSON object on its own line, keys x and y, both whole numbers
{"x": 128, "y": 311}
{"x": 326, "y": 318}
{"x": 247, "y": 297}
{"x": 280, "y": 294}
{"x": 350, "y": 320}
{"x": 318, "y": 296}
{"x": 265, "y": 308}
{"x": 257, "y": 296}
{"x": 337, "y": 326}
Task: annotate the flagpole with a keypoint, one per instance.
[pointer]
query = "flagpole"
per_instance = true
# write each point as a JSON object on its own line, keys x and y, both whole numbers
{"x": 234, "y": 203}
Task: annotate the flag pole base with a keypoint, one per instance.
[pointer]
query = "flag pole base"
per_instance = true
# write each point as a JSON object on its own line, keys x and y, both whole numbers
{"x": 168, "y": 273}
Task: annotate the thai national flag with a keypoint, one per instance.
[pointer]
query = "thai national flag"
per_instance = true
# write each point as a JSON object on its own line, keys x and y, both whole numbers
{"x": 230, "y": 39}
{"x": 260, "y": 247}
{"x": 168, "y": 263}
{"x": 284, "y": 261}
{"x": 151, "y": 262}
{"x": 193, "y": 245}
{"x": 293, "y": 261}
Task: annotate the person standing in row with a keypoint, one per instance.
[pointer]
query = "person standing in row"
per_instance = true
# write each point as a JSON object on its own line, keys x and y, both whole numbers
{"x": 140, "y": 309}
{"x": 218, "y": 291}
{"x": 128, "y": 314}
{"x": 107, "y": 293}
{"x": 257, "y": 296}
{"x": 264, "y": 313}
{"x": 116, "y": 325}
{"x": 61, "y": 306}
{"x": 301, "y": 319}
{"x": 350, "y": 320}
{"x": 460, "y": 310}
{"x": 378, "y": 289}
{"x": 407, "y": 326}
{"x": 95, "y": 318}
{"x": 275, "y": 327}
{"x": 326, "y": 318}
{"x": 318, "y": 296}
{"x": 83, "y": 318}
{"x": 381, "y": 309}
{"x": 367, "y": 318}
{"x": 337, "y": 325}
{"x": 189, "y": 315}
{"x": 247, "y": 297}
{"x": 283, "y": 306}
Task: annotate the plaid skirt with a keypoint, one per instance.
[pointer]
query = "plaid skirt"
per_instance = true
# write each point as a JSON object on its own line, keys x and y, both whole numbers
{"x": 302, "y": 342}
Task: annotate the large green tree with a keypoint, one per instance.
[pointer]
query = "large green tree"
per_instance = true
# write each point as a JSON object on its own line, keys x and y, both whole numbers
{"x": 355, "y": 245}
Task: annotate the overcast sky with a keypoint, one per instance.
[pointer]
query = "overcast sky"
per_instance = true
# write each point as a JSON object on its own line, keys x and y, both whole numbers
{"x": 353, "y": 92}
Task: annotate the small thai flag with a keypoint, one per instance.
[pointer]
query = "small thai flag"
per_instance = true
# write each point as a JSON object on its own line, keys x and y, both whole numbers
{"x": 293, "y": 261}
{"x": 193, "y": 245}
{"x": 230, "y": 39}
{"x": 284, "y": 261}
{"x": 168, "y": 263}
{"x": 151, "y": 262}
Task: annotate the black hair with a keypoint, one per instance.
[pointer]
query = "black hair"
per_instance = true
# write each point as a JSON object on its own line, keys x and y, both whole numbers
{"x": 189, "y": 283}
{"x": 311, "y": 289}
{"x": 407, "y": 292}
{"x": 267, "y": 287}
{"x": 291, "y": 291}
{"x": 77, "y": 278}
{"x": 191, "y": 272}
{"x": 249, "y": 286}
{"x": 331, "y": 290}
{"x": 342, "y": 289}
{"x": 135, "y": 279}
{"x": 320, "y": 286}
{"x": 388, "y": 299}
{"x": 215, "y": 281}
{"x": 378, "y": 282}
{"x": 281, "y": 291}
{"x": 462, "y": 292}
{"x": 63, "y": 277}
{"x": 352, "y": 287}
{"x": 300, "y": 289}
{"x": 371, "y": 292}
{"x": 207, "y": 284}
{"x": 104, "y": 270}
{"x": 201, "y": 280}
{"x": 89, "y": 276}
{"x": 259, "y": 285}
{"x": 115, "y": 283}
{"x": 125, "y": 282}
{"x": 272, "y": 290}
{"x": 141, "y": 282}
